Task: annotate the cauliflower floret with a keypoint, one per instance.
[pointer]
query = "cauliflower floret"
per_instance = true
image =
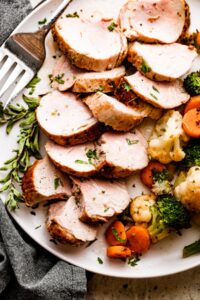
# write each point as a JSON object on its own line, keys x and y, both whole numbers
{"x": 188, "y": 191}
{"x": 165, "y": 144}
{"x": 140, "y": 208}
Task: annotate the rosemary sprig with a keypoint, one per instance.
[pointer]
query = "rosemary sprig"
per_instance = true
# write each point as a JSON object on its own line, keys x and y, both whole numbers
{"x": 28, "y": 146}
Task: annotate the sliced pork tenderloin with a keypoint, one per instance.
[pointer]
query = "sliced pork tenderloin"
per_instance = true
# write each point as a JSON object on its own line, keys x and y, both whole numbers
{"x": 111, "y": 112}
{"x": 106, "y": 81}
{"x": 125, "y": 94}
{"x": 122, "y": 153}
{"x": 64, "y": 225}
{"x": 100, "y": 199}
{"x": 44, "y": 182}
{"x": 90, "y": 45}
{"x": 65, "y": 119}
{"x": 80, "y": 160}
{"x": 64, "y": 74}
{"x": 161, "y": 62}
{"x": 153, "y": 21}
{"x": 165, "y": 95}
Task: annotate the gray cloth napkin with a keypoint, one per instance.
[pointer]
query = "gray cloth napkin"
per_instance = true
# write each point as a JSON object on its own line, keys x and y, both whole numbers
{"x": 26, "y": 270}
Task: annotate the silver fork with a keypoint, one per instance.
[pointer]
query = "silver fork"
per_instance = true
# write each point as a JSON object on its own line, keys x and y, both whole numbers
{"x": 22, "y": 56}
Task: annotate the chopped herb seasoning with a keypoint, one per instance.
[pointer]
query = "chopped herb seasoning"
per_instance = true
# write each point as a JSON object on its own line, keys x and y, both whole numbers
{"x": 100, "y": 261}
{"x": 132, "y": 142}
{"x": 116, "y": 235}
{"x": 37, "y": 227}
{"x": 127, "y": 87}
{"x": 33, "y": 213}
{"x": 57, "y": 183}
{"x": 82, "y": 162}
{"x": 133, "y": 261}
{"x": 42, "y": 22}
{"x": 106, "y": 209}
{"x": 59, "y": 79}
{"x": 74, "y": 15}
{"x": 100, "y": 88}
{"x": 144, "y": 67}
{"x": 155, "y": 89}
{"x": 32, "y": 84}
{"x": 92, "y": 156}
{"x": 112, "y": 26}
{"x": 153, "y": 96}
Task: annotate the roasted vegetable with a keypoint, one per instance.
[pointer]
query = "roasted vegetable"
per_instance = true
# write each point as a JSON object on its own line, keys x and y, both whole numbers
{"x": 192, "y": 83}
{"x": 191, "y": 249}
{"x": 192, "y": 155}
{"x": 168, "y": 215}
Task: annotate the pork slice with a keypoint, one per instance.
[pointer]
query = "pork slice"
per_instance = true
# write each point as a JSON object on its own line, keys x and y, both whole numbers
{"x": 122, "y": 153}
{"x": 106, "y": 81}
{"x": 65, "y": 119}
{"x": 153, "y": 21}
{"x": 80, "y": 160}
{"x": 111, "y": 112}
{"x": 125, "y": 94}
{"x": 100, "y": 199}
{"x": 161, "y": 62}
{"x": 166, "y": 95}
{"x": 90, "y": 44}
{"x": 44, "y": 182}
{"x": 64, "y": 74}
{"x": 64, "y": 225}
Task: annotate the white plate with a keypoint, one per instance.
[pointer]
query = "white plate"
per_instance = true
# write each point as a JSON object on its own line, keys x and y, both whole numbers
{"x": 164, "y": 258}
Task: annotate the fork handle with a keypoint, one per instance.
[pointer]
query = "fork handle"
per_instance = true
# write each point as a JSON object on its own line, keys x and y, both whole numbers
{"x": 61, "y": 8}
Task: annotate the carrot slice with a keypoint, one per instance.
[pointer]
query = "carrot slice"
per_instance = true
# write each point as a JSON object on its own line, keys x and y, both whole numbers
{"x": 138, "y": 239}
{"x": 116, "y": 234}
{"x": 193, "y": 103}
{"x": 147, "y": 173}
{"x": 191, "y": 122}
{"x": 118, "y": 252}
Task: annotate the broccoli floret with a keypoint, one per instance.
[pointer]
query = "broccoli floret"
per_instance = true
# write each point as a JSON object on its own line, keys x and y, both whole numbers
{"x": 192, "y": 83}
{"x": 161, "y": 183}
{"x": 173, "y": 212}
{"x": 192, "y": 155}
{"x": 191, "y": 249}
{"x": 158, "y": 230}
{"x": 168, "y": 215}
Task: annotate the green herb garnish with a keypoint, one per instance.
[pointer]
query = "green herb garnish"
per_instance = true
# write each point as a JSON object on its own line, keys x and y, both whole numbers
{"x": 74, "y": 15}
{"x": 127, "y": 87}
{"x": 132, "y": 142}
{"x": 57, "y": 183}
{"x": 155, "y": 89}
{"x": 144, "y": 67}
{"x": 92, "y": 156}
{"x": 133, "y": 261}
{"x": 42, "y": 22}
{"x": 58, "y": 78}
{"x": 32, "y": 84}
{"x": 112, "y": 26}
{"x": 82, "y": 162}
{"x": 116, "y": 235}
{"x": 37, "y": 227}
{"x": 153, "y": 96}
{"x": 28, "y": 146}
{"x": 100, "y": 88}
{"x": 100, "y": 261}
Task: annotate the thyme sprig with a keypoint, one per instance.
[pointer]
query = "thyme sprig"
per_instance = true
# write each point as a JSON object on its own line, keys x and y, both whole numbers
{"x": 28, "y": 146}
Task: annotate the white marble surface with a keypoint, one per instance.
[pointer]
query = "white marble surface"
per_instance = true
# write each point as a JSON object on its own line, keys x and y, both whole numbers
{"x": 184, "y": 286}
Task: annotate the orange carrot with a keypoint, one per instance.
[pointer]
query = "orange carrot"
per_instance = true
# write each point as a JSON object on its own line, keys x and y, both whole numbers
{"x": 198, "y": 39}
{"x": 138, "y": 239}
{"x": 191, "y": 123}
{"x": 147, "y": 173}
{"x": 116, "y": 234}
{"x": 118, "y": 252}
{"x": 193, "y": 103}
